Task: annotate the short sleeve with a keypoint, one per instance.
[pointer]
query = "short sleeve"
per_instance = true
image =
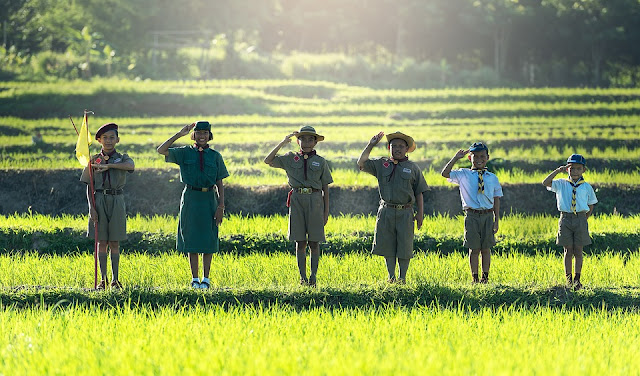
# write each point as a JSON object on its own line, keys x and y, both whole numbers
{"x": 85, "y": 177}
{"x": 497, "y": 191}
{"x": 591, "y": 199}
{"x": 369, "y": 166}
{"x": 555, "y": 186}
{"x": 222, "y": 169}
{"x": 278, "y": 161}
{"x": 420, "y": 184}
{"x": 127, "y": 159}
{"x": 176, "y": 155}
{"x": 326, "y": 177}
{"x": 454, "y": 176}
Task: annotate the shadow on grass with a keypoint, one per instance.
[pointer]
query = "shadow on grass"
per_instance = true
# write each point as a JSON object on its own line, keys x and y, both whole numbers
{"x": 371, "y": 296}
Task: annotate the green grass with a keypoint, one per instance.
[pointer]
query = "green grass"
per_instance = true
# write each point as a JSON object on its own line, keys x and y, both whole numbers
{"x": 280, "y": 340}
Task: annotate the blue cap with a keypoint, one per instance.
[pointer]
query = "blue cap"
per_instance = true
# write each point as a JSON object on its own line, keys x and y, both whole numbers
{"x": 577, "y": 158}
{"x": 478, "y": 146}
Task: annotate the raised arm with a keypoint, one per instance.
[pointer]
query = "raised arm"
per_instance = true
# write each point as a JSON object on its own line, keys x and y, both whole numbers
{"x": 164, "y": 148}
{"x": 365, "y": 153}
{"x": 272, "y": 155}
{"x": 446, "y": 171}
{"x": 549, "y": 179}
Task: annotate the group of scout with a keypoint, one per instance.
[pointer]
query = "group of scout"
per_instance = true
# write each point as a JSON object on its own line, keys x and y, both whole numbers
{"x": 400, "y": 183}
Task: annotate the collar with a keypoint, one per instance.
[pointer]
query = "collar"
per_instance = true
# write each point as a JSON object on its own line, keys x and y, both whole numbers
{"x": 578, "y": 182}
{"x": 307, "y": 155}
{"x": 106, "y": 156}
{"x": 200, "y": 148}
{"x": 396, "y": 161}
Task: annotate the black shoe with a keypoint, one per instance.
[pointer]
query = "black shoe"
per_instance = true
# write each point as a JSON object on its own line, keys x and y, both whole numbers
{"x": 312, "y": 280}
{"x": 102, "y": 285}
{"x": 304, "y": 281}
{"x": 577, "y": 285}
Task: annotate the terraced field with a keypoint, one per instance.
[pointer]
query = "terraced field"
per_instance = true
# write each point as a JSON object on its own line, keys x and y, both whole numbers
{"x": 256, "y": 319}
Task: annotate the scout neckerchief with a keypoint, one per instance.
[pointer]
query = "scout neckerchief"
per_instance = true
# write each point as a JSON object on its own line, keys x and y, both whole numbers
{"x": 306, "y": 156}
{"x": 395, "y": 163}
{"x": 106, "y": 157}
{"x": 200, "y": 150}
{"x": 573, "y": 193}
{"x": 481, "y": 172}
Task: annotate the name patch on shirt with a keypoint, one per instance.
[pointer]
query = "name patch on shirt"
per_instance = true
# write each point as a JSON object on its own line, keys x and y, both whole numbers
{"x": 407, "y": 170}
{"x": 118, "y": 160}
{"x": 316, "y": 164}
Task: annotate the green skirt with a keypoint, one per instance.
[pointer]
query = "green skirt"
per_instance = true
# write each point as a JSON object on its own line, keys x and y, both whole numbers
{"x": 197, "y": 230}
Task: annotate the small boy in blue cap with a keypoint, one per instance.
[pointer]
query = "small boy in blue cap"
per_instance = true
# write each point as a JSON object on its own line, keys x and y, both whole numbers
{"x": 480, "y": 192}
{"x": 575, "y": 198}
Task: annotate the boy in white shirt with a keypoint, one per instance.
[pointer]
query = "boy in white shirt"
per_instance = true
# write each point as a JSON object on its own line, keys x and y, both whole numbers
{"x": 575, "y": 198}
{"x": 480, "y": 192}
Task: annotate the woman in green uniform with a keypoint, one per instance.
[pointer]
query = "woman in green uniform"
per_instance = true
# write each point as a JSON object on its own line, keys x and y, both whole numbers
{"x": 202, "y": 205}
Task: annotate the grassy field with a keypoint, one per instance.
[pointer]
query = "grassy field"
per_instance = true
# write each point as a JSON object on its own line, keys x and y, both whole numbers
{"x": 256, "y": 319}
{"x": 392, "y": 340}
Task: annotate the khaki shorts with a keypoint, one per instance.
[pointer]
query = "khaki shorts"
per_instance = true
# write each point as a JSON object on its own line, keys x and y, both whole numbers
{"x": 112, "y": 218}
{"x": 478, "y": 230}
{"x": 394, "y": 233}
{"x": 306, "y": 217}
{"x": 573, "y": 230}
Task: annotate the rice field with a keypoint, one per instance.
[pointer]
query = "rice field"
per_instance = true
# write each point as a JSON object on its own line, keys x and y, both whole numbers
{"x": 256, "y": 318}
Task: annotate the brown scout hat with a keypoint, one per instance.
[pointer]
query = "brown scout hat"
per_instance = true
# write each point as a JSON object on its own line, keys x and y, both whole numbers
{"x": 307, "y": 129}
{"x": 400, "y": 135}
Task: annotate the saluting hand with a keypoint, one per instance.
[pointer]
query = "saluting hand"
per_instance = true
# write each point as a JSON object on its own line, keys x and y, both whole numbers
{"x": 375, "y": 139}
{"x": 287, "y": 138}
{"x": 461, "y": 153}
{"x": 186, "y": 129}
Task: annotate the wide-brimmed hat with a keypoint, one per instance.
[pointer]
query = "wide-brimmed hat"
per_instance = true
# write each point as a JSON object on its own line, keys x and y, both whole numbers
{"x": 577, "y": 158}
{"x": 408, "y": 139}
{"x": 106, "y": 128}
{"x": 309, "y": 130}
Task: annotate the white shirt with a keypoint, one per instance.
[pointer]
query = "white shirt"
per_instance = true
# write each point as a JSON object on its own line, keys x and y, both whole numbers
{"x": 585, "y": 195}
{"x": 468, "y": 181}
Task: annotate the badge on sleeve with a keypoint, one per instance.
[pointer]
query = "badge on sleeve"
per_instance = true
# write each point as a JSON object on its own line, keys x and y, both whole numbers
{"x": 386, "y": 164}
{"x": 296, "y": 158}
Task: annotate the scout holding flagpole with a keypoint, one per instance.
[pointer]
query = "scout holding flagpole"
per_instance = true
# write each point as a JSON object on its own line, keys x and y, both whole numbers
{"x": 82, "y": 153}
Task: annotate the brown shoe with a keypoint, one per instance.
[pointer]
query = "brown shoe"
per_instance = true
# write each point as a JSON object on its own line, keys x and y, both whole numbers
{"x": 116, "y": 285}
{"x": 102, "y": 285}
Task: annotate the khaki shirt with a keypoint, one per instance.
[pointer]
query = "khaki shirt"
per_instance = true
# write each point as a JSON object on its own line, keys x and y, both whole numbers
{"x": 110, "y": 179}
{"x": 318, "y": 173}
{"x": 401, "y": 188}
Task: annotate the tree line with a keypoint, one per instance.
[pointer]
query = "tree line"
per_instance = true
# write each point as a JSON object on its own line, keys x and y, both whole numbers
{"x": 518, "y": 42}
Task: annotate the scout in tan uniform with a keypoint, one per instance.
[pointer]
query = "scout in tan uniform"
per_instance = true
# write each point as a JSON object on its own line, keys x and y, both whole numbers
{"x": 308, "y": 201}
{"x": 401, "y": 184}
{"x": 110, "y": 175}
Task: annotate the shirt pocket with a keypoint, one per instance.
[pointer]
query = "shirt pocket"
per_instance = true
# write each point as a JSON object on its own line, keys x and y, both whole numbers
{"x": 211, "y": 169}
{"x": 314, "y": 170}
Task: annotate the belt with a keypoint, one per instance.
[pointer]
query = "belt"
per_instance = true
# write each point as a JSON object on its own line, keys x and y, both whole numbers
{"x": 112, "y": 192}
{"x": 483, "y": 211}
{"x": 206, "y": 189}
{"x": 306, "y": 191}
{"x": 572, "y": 214}
{"x": 397, "y": 206}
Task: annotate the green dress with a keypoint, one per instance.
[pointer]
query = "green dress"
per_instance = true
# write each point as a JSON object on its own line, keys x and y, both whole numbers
{"x": 197, "y": 230}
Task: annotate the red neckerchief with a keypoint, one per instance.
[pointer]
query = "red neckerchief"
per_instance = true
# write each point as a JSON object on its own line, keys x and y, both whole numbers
{"x": 106, "y": 158}
{"x": 306, "y": 156}
{"x": 395, "y": 163}
{"x": 200, "y": 150}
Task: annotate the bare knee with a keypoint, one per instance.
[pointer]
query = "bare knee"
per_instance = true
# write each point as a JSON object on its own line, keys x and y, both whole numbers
{"x": 114, "y": 247}
{"x": 474, "y": 252}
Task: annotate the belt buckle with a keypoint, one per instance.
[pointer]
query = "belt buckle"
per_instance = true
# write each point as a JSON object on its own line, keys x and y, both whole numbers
{"x": 305, "y": 190}
{"x": 205, "y": 189}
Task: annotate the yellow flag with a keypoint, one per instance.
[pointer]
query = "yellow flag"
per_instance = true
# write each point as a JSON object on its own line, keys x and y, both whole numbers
{"x": 82, "y": 146}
